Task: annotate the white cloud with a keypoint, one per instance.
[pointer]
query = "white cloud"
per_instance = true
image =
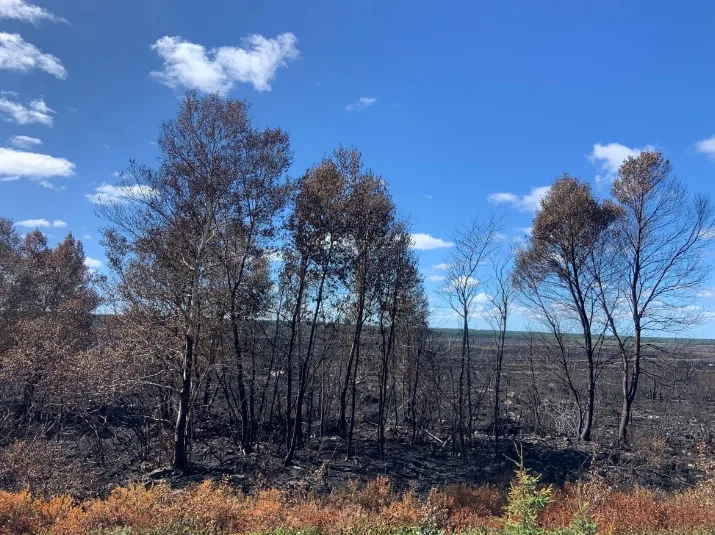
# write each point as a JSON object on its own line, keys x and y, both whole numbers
{"x": 276, "y": 256}
{"x": 218, "y": 69}
{"x": 18, "y": 55}
{"x": 25, "y": 142}
{"x": 610, "y": 157}
{"x": 92, "y": 263}
{"x": 442, "y": 267}
{"x": 360, "y": 104}
{"x": 706, "y": 146}
{"x": 21, "y": 10}
{"x": 37, "y": 223}
{"x": 707, "y": 293}
{"x": 425, "y": 242}
{"x": 34, "y": 112}
{"x": 108, "y": 194}
{"x": 33, "y": 223}
{"x": 86, "y": 236}
{"x": 436, "y": 278}
{"x": 524, "y": 203}
{"x": 40, "y": 168}
{"x": 524, "y": 230}
{"x": 463, "y": 281}
{"x": 482, "y": 298}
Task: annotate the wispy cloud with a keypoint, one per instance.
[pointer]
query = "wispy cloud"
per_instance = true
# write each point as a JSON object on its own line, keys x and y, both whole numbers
{"x": 610, "y": 157}
{"x": 41, "y": 223}
{"x": 108, "y": 194}
{"x": 35, "y": 112}
{"x": 707, "y": 293}
{"x": 15, "y": 164}
{"x": 524, "y": 203}
{"x": 360, "y": 104}
{"x": 436, "y": 278}
{"x": 444, "y": 266}
{"x": 25, "y": 142}
{"x": 21, "y": 10}
{"x": 191, "y": 66}
{"x": 425, "y": 242}
{"x": 706, "y": 146}
{"x": 18, "y": 55}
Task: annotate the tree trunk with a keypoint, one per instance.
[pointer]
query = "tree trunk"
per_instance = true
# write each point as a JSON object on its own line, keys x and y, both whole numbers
{"x": 630, "y": 387}
{"x": 354, "y": 349}
{"x": 296, "y": 438}
{"x": 294, "y": 327}
{"x": 497, "y": 379}
{"x": 246, "y": 439}
{"x": 181, "y": 461}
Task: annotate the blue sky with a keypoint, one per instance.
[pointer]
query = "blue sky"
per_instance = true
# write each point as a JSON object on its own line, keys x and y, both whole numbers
{"x": 461, "y": 106}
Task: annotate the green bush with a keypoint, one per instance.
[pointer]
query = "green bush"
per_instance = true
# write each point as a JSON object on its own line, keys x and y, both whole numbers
{"x": 525, "y": 501}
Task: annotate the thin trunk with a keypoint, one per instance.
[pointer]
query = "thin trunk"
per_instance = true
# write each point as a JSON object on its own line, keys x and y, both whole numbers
{"x": 294, "y": 327}
{"x": 246, "y": 440}
{"x": 355, "y": 348}
{"x": 181, "y": 461}
{"x": 296, "y": 438}
{"x": 630, "y": 386}
{"x": 497, "y": 379}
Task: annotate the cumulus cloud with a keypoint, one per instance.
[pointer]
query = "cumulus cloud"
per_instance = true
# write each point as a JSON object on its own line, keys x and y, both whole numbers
{"x": 108, "y": 194}
{"x": 36, "y": 111}
{"x": 360, "y": 104}
{"x": 18, "y": 55}
{"x": 706, "y": 146}
{"x": 192, "y": 66}
{"x": 15, "y": 164}
{"x": 482, "y": 298}
{"x": 25, "y": 142}
{"x": 610, "y": 157}
{"x": 524, "y": 203}
{"x": 58, "y": 223}
{"x": 92, "y": 263}
{"x": 21, "y": 10}
{"x": 425, "y": 242}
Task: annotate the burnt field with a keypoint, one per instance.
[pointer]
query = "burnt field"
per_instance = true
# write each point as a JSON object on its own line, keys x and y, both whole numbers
{"x": 127, "y": 439}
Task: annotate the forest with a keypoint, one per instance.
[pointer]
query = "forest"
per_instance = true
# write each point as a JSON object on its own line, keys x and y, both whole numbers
{"x": 261, "y": 330}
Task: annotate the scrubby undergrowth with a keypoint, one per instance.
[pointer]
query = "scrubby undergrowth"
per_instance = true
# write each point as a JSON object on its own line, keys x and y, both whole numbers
{"x": 527, "y": 508}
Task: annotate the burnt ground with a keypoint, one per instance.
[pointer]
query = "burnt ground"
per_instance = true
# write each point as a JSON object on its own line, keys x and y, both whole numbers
{"x": 322, "y": 466}
{"x": 674, "y": 415}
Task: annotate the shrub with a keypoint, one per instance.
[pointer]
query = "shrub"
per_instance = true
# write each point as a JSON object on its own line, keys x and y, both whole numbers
{"x": 525, "y": 501}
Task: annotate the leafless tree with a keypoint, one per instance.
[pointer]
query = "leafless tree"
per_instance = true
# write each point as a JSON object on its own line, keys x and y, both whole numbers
{"x": 501, "y": 293}
{"x": 461, "y": 292}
